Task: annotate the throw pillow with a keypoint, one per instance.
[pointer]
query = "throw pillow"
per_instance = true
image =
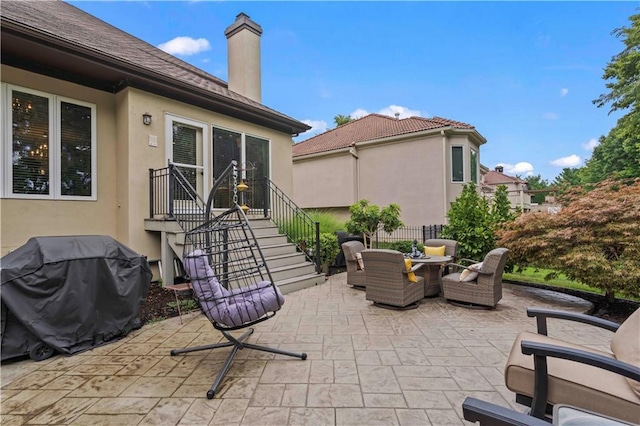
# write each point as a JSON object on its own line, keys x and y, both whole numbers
{"x": 434, "y": 251}
{"x": 471, "y": 272}
{"x": 410, "y": 275}
{"x": 625, "y": 345}
{"x": 359, "y": 261}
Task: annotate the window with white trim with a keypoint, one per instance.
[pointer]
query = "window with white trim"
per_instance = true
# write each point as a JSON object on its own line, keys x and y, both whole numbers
{"x": 457, "y": 164}
{"x": 49, "y": 146}
{"x": 473, "y": 164}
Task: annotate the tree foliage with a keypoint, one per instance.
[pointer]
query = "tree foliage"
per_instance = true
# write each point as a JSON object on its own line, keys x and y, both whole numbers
{"x": 594, "y": 239}
{"x": 470, "y": 223}
{"x": 342, "y": 119}
{"x": 500, "y": 211}
{"x": 618, "y": 154}
{"x": 366, "y": 219}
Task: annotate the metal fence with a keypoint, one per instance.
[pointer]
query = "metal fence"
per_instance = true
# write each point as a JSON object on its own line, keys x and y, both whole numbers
{"x": 408, "y": 233}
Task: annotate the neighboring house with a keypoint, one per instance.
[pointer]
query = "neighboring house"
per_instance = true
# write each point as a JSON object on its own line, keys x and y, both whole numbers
{"x": 88, "y": 109}
{"x": 517, "y": 189}
{"x": 418, "y": 163}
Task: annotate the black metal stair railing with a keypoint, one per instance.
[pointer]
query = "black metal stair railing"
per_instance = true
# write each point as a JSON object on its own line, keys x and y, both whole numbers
{"x": 172, "y": 196}
{"x": 292, "y": 221}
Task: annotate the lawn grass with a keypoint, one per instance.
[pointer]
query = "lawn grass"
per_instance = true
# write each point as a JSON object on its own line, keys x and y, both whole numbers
{"x": 534, "y": 275}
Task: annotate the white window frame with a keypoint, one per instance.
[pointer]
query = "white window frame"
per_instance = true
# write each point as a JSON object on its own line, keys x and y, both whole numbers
{"x": 169, "y": 119}
{"x": 55, "y": 148}
{"x": 451, "y": 164}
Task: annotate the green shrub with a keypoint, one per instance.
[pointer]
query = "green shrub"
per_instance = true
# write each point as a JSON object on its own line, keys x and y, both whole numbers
{"x": 329, "y": 222}
{"x": 329, "y": 248}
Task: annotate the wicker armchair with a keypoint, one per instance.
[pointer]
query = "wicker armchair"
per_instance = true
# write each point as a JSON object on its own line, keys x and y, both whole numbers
{"x": 450, "y": 249}
{"x": 355, "y": 275}
{"x": 388, "y": 285}
{"x": 486, "y": 289}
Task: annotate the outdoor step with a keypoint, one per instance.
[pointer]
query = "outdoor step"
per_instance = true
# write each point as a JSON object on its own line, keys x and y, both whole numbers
{"x": 284, "y": 259}
{"x": 300, "y": 282}
{"x": 269, "y": 240}
{"x": 277, "y": 249}
{"x": 290, "y": 271}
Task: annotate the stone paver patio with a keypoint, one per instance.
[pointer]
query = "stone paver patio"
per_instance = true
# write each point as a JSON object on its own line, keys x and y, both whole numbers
{"x": 365, "y": 366}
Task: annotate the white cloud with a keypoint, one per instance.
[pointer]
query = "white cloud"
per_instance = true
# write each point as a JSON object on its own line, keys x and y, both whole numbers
{"x": 359, "y": 113}
{"x": 521, "y": 169}
{"x": 185, "y": 46}
{"x": 569, "y": 161}
{"x": 390, "y": 110}
{"x": 589, "y": 146}
{"x": 317, "y": 126}
{"x": 563, "y": 92}
{"x": 550, "y": 116}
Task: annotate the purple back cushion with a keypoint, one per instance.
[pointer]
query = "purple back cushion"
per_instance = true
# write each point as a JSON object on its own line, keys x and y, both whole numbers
{"x": 229, "y": 308}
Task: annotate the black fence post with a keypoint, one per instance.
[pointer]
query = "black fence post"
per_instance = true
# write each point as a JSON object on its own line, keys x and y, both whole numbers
{"x": 266, "y": 198}
{"x": 151, "y": 200}
{"x": 318, "y": 267}
{"x": 172, "y": 184}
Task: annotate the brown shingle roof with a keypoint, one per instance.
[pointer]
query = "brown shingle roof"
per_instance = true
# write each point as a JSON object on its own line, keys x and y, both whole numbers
{"x": 495, "y": 178}
{"x": 370, "y": 127}
{"x": 65, "y": 23}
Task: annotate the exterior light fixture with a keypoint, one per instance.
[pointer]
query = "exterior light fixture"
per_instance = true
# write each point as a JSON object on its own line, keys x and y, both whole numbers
{"x": 146, "y": 118}
{"x": 242, "y": 186}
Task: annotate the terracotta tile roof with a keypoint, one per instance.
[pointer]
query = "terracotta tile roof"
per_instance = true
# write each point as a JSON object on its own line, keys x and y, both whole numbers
{"x": 495, "y": 178}
{"x": 59, "y": 20}
{"x": 370, "y": 127}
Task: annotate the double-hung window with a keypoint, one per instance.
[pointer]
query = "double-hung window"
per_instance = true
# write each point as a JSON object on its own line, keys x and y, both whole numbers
{"x": 48, "y": 146}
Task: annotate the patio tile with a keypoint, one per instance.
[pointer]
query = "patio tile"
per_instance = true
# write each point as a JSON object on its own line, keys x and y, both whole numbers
{"x": 378, "y": 379}
{"x": 409, "y": 417}
{"x": 426, "y": 399}
{"x": 167, "y": 411}
{"x": 469, "y": 378}
{"x": 366, "y": 416}
{"x": 103, "y": 386}
{"x": 294, "y": 395}
{"x": 200, "y": 412}
{"x": 334, "y": 395}
{"x": 64, "y": 411}
{"x": 124, "y": 405}
{"x": 321, "y": 371}
{"x": 444, "y": 418}
{"x": 311, "y": 416}
{"x": 37, "y": 403}
{"x": 110, "y": 419}
{"x": 153, "y": 387}
{"x": 238, "y": 387}
{"x": 266, "y": 416}
{"x": 230, "y": 411}
{"x": 345, "y": 371}
{"x": 35, "y": 380}
{"x": 294, "y": 371}
{"x": 384, "y": 400}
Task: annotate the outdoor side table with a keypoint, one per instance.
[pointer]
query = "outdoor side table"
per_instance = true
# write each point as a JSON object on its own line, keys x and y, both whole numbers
{"x": 432, "y": 272}
{"x": 177, "y": 290}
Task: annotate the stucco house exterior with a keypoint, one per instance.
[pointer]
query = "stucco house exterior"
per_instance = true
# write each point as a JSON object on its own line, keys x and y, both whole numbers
{"x": 88, "y": 109}
{"x": 418, "y": 163}
{"x": 517, "y": 189}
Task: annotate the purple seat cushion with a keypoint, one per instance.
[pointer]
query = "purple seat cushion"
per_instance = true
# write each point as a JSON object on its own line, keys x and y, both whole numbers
{"x": 229, "y": 308}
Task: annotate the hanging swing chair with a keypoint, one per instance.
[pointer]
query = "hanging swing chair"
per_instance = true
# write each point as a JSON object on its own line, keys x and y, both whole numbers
{"x": 231, "y": 283}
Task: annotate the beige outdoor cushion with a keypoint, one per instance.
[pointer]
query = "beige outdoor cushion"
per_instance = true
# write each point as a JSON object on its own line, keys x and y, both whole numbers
{"x": 625, "y": 346}
{"x": 573, "y": 383}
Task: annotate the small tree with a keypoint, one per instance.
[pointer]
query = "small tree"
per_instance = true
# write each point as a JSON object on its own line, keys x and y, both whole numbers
{"x": 366, "y": 218}
{"x": 594, "y": 239}
{"x": 501, "y": 211}
{"x": 470, "y": 224}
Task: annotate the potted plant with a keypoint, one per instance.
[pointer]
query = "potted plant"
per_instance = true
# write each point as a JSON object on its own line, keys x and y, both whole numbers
{"x": 329, "y": 250}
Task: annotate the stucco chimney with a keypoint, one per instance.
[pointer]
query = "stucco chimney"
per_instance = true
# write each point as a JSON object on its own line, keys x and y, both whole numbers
{"x": 499, "y": 169}
{"x": 243, "y": 55}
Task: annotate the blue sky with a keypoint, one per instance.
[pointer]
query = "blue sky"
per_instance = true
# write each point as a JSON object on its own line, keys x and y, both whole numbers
{"x": 523, "y": 73}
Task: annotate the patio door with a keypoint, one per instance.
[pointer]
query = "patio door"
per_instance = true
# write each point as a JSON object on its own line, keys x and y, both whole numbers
{"x": 186, "y": 150}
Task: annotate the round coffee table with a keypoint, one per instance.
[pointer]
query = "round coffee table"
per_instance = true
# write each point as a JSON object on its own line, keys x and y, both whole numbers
{"x": 432, "y": 272}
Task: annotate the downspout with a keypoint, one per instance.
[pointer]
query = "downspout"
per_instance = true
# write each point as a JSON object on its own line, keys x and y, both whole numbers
{"x": 356, "y": 173}
{"x": 444, "y": 171}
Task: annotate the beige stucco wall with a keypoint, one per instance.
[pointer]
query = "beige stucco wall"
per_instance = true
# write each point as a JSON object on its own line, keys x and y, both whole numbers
{"x": 124, "y": 158}
{"x": 22, "y": 219}
{"x": 412, "y": 171}
{"x": 325, "y": 182}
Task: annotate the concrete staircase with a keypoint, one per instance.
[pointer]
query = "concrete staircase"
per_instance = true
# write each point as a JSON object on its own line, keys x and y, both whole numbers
{"x": 289, "y": 268}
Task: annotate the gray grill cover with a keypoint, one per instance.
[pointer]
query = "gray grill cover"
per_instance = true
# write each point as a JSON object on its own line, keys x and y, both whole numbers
{"x": 72, "y": 293}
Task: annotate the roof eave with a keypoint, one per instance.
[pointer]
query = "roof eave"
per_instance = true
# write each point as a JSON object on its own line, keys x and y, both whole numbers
{"x": 159, "y": 83}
